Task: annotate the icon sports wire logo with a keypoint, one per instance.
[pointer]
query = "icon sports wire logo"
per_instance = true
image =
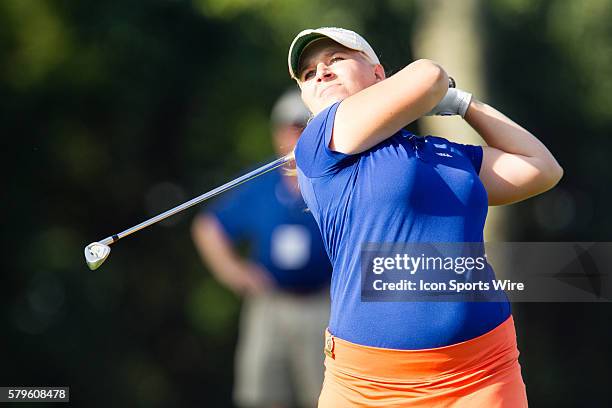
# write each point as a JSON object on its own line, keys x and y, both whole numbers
{"x": 583, "y": 272}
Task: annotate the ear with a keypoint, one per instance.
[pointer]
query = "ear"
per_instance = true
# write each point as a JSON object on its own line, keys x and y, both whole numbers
{"x": 379, "y": 72}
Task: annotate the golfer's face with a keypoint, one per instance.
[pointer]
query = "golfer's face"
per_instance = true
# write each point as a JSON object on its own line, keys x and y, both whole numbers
{"x": 329, "y": 72}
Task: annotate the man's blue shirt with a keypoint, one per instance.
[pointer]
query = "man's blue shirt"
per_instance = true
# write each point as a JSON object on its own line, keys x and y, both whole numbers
{"x": 282, "y": 234}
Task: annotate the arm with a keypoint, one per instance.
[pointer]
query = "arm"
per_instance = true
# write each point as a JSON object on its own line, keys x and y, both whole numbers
{"x": 370, "y": 116}
{"x": 515, "y": 165}
{"x": 239, "y": 275}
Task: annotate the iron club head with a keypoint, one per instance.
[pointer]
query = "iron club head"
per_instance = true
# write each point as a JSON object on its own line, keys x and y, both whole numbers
{"x": 95, "y": 254}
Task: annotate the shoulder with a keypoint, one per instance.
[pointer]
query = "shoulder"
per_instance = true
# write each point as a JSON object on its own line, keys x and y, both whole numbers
{"x": 315, "y": 131}
{"x": 312, "y": 153}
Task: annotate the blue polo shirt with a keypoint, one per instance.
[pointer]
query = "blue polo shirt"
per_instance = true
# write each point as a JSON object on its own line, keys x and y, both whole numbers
{"x": 405, "y": 189}
{"x": 282, "y": 235}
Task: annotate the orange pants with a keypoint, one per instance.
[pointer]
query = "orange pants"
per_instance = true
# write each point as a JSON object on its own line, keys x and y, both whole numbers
{"x": 481, "y": 372}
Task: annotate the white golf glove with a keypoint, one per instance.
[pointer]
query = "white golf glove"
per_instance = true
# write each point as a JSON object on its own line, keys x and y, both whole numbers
{"x": 455, "y": 102}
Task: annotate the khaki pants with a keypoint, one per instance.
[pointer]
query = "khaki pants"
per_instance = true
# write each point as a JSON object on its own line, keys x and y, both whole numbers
{"x": 279, "y": 358}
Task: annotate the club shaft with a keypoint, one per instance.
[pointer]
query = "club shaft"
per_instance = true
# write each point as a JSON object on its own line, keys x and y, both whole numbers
{"x": 221, "y": 189}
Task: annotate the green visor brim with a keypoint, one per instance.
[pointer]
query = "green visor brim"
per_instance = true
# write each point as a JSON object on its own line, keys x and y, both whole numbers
{"x": 298, "y": 48}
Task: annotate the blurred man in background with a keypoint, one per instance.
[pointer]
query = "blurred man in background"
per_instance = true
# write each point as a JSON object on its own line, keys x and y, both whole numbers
{"x": 284, "y": 281}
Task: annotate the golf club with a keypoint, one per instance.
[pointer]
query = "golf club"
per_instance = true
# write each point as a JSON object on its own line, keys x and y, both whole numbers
{"x": 97, "y": 252}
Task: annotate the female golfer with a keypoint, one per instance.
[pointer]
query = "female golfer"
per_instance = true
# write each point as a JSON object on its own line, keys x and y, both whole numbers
{"x": 366, "y": 180}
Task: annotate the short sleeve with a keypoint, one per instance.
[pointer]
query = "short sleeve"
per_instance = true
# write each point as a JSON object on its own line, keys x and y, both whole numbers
{"x": 312, "y": 153}
{"x": 471, "y": 152}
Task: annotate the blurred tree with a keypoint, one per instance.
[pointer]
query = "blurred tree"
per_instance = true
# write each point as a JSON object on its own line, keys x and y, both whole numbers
{"x": 450, "y": 33}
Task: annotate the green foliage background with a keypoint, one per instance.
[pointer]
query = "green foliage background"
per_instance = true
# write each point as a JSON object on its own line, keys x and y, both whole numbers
{"x": 112, "y": 111}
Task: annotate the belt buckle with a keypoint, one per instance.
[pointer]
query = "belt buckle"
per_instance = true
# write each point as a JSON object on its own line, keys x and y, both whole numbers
{"x": 329, "y": 345}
